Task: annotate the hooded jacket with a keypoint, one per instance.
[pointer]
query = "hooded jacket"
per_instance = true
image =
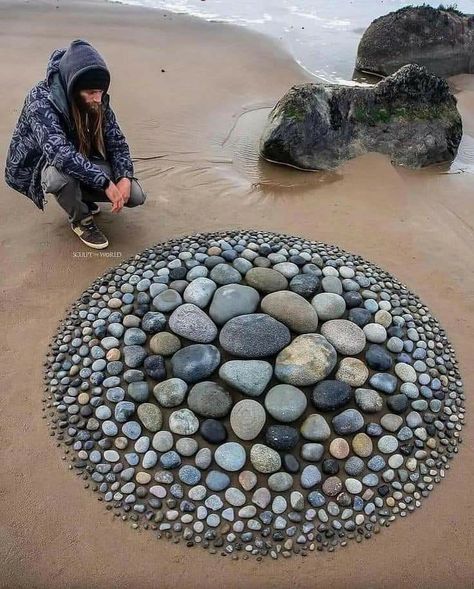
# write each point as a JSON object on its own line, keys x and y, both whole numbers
{"x": 45, "y": 131}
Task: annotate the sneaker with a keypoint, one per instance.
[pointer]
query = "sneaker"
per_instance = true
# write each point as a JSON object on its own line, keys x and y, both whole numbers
{"x": 90, "y": 234}
{"x": 94, "y": 208}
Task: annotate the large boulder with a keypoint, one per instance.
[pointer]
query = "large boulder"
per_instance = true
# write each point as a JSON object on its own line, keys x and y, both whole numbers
{"x": 441, "y": 39}
{"x": 410, "y": 116}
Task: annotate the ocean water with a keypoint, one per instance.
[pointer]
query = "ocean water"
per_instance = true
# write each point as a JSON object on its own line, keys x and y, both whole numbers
{"x": 322, "y": 35}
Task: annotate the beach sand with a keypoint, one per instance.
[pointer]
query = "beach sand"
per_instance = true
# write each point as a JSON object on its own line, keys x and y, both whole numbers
{"x": 196, "y": 128}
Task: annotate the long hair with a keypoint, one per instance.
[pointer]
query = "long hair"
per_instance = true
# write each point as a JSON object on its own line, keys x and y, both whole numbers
{"x": 89, "y": 129}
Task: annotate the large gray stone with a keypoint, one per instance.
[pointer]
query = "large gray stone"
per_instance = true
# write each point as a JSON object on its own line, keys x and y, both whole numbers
{"x": 254, "y": 336}
{"x": 233, "y": 300}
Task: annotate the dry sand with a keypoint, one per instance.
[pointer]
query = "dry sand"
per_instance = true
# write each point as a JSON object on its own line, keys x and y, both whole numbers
{"x": 197, "y": 125}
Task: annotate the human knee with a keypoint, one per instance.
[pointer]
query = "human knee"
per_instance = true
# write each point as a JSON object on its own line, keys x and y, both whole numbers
{"x": 137, "y": 195}
{"x": 54, "y": 180}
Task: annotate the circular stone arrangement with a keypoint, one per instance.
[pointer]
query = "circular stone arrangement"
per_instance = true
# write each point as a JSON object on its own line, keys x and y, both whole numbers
{"x": 254, "y": 393}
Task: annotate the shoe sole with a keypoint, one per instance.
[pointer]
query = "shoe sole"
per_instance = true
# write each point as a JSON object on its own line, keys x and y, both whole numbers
{"x": 95, "y": 212}
{"x": 96, "y": 246}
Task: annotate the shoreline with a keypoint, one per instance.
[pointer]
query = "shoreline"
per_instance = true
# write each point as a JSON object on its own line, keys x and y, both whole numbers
{"x": 203, "y": 176}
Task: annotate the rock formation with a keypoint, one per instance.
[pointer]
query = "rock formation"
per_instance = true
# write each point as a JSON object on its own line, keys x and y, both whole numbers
{"x": 410, "y": 116}
{"x": 441, "y": 39}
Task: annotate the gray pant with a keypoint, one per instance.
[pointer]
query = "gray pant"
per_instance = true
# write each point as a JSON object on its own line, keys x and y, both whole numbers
{"x": 73, "y": 195}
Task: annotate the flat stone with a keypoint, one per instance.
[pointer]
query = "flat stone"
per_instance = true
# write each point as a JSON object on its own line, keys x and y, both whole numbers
{"x": 368, "y": 400}
{"x": 209, "y": 399}
{"x": 266, "y": 279}
{"x": 305, "y": 285}
{"x": 362, "y": 445}
{"x": 165, "y": 343}
{"x": 374, "y": 332}
{"x": 133, "y": 356}
{"x": 281, "y": 437}
{"x": 332, "y": 486}
{"x": 387, "y": 444}
{"x": 307, "y": 360}
{"x": 261, "y": 497}
{"x": 352, "y": 371}
{"x": 315, "y": 428}
{"x": 213, "y": 431}
{"x": 183, "y": 422}
{"x": 230, "y": 456}
{"x": 387, "y": 383}
{"x": 247, "y": 479}
{"x": 339, "y": 448}
{"x": 187, "y": 446}
{"x": 264, "y": 459}
{"x": 199, "y": 292}
{"x": 233, "y": 300}
{"x": 191, "y": 322}
{"x": 150, "y": 415}
{"x": 405, "y": 372}
{"x": 225, "y": 274}
{"x": 248, "y": 376}
{"x": 167, "y": 300}
{"x": 391, "y": 422}
{"x": 329, "y": 306}
{"x": 154, "y": 367}
{"x": 235, "y": 497}
{"x": 280, "y": 482}
{"x": 189, "y": 474}
{"x": 171, "y": 392}
{"x": 285, "y": 403}
{"x": 247, "y": 419}
{"x": 153, "y": 322}
{"x": 195, "y": 362}
{"x": 292, "y": 310}
{"x": 312, "y": 451}
{"x": 138, "y": 391}
{"x": 124, "y": 410}
{"x": 162, "y": 441}
{"x": 254, "y": 336}
{"x": 348, "y": 422}
{"x": 378, "y": 358}
{"x": 330, "y": 395}
{"x": 310, "y": 476}
{"x": 203, "y": 458}
{"x": 347, "y": 337}
{"x": 217, "y": 481}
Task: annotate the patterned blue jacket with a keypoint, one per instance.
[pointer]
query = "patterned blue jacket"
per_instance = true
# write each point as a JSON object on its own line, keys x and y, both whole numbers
{"x": 44, "y": 133}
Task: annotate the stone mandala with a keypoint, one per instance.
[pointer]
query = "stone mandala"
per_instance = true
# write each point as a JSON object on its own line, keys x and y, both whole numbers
{"x": 254, "y": 394}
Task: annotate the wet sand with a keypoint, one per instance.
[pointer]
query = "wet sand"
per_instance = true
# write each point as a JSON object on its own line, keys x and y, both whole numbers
{"x": 194, "y": 130}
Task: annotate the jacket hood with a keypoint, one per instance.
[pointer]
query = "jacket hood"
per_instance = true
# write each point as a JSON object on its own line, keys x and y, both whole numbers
{"x": 58, "y": 86}
{"x": 78, "y": 58}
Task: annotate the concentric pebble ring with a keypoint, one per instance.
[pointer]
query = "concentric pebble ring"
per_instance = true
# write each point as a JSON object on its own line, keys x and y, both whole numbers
{"x": 254, "y": 394}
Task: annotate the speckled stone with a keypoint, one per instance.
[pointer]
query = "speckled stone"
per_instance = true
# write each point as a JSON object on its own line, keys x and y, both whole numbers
{"x": 307, "y": 360}
{"x": 347, "y": 337}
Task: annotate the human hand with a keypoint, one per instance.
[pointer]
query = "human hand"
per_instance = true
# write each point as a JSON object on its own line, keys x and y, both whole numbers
{"x": 115, "y": 196}
{"x": 125, "y": 185}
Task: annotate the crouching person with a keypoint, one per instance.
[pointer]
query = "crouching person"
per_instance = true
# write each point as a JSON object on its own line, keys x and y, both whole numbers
{"x": 68, "y": 143}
